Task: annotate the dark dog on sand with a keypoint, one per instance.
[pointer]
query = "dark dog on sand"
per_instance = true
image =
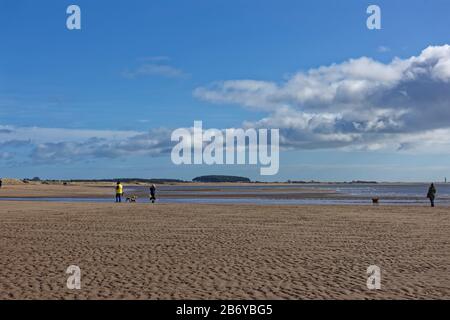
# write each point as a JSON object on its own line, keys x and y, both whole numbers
{"x": 131, "y": 199}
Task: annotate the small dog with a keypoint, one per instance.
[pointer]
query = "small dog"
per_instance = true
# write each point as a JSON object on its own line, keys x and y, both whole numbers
{"x": 131, "y": 199}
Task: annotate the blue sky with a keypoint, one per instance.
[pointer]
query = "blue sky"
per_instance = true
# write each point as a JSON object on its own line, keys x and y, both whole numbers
{"x": 147, "y": 67}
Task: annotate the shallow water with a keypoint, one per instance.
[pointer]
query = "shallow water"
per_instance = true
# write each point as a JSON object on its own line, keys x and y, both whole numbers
{"x": 343, "y": 194}
{"x": 402, "y": 190}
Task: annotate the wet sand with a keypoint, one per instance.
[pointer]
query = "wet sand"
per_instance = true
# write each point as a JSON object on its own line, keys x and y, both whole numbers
{"x": 191, "y": 251}
{"x": 213, "y": 192}
{"x": 200, "y": 190}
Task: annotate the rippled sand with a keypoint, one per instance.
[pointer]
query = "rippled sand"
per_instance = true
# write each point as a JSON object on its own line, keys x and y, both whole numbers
{"x": 174, "y": 251}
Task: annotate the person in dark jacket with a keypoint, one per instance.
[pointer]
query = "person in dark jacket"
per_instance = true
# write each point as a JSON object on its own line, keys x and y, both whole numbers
{"x": 152, "y": 193}
{"x": 431, "y": 194}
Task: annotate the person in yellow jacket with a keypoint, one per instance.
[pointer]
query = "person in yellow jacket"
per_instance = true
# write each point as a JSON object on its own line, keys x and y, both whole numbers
{"x": 119, "y": 192}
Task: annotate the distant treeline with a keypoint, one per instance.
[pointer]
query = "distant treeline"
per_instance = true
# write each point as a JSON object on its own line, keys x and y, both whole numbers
{"x": 210, "y": 178}
{"x": 345, "y": 182}
{"x": 216, "y": 178}
{"x": 125, "y": 180}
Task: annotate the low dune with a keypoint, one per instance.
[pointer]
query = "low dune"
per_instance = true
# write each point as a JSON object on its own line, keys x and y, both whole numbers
{"x": 56, "y": 190}
{"x": 9, "y": 181}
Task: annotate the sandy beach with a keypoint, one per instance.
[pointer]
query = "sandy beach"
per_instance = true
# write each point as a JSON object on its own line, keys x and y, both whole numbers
{"x": 192, "y": 251}
{"x": 224, "y": 150}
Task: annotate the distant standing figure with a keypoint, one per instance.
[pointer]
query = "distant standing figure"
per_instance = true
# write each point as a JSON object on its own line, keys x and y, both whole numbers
{"x": 1, "y": 182}
{"x": 152, "y": 193}
{"x": 431, "y": 194}
{"x": 119, "y": 192}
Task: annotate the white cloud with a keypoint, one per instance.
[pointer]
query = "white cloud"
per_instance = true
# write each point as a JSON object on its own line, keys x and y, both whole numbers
{"x": 383, "y": 49}
{"x": 50, "y": 145}
{"x": 156, "y": 66}
{"x": 359, "y": 103}
{"x": 41, "y": 135}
